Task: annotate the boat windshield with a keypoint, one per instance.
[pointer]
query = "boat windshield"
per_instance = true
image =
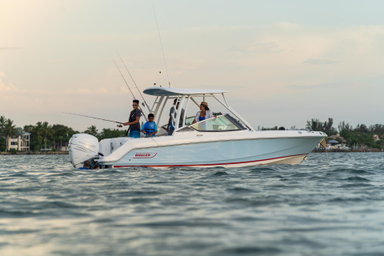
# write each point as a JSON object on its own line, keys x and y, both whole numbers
{"x": 223, "y": 123}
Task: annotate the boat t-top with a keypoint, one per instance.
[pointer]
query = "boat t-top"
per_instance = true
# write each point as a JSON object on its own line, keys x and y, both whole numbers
{"x": 226, "y": 139}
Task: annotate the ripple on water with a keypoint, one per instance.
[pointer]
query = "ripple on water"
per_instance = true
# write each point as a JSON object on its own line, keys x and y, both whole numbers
{"x": 249, "y": 250}
{"x": 220, "y": 173}
{"x": 239, "y": 190}
{"x": 314, "y": 208}
{"x": 357, "y": 179}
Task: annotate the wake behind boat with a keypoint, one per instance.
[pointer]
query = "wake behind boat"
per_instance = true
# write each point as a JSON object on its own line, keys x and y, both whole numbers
{"x": 226, "y": 140}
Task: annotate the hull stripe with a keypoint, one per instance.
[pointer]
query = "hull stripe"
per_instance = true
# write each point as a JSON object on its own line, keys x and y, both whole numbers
{"x": 196, "y": 165}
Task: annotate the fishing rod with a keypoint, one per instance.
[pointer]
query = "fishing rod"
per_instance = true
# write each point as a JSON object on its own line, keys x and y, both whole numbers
{"x": 129, "y": 88}
{"x": 149, "y": 110}
{"x": 125, "y": 80}
{"x": 161, "y": 44}
{"x": 97, "y": 118}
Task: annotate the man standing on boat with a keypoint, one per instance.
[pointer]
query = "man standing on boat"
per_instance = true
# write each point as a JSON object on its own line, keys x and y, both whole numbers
{"x": 172, "y": 117}
{"x": 134, "y": 120}
{"x": 172, "y": 112}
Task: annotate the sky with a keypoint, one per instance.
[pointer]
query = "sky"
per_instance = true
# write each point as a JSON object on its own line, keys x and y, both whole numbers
{"x": 283, "y": 62}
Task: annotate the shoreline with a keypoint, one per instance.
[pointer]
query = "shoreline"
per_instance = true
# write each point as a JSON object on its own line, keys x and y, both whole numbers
{"x": 67, "y": 152}
{"x": 34, "y": 153}
{"x": 347, "y": 151}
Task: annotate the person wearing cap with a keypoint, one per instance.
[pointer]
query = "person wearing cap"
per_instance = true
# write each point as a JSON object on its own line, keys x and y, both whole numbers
{"x": 204, "y": 113}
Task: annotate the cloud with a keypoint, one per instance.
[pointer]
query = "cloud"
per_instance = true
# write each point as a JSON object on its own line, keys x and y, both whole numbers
{"x": 112, "y": 36}
{"x": 320, "y": 62}
{"x": 10, "y": 48}
{"x": 332, "y": 86}
{"x": 4, "y": 86}
{"x": 287, "y": 25}
{"x": 216, "y": 28}
{"x": 83, "y": 90}
{"x": 262, "y": 47}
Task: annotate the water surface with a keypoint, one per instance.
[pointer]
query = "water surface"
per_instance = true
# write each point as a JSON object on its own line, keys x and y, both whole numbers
{"x": 315, "y": 208}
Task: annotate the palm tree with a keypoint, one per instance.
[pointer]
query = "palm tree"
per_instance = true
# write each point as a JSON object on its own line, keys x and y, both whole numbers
{"x": 91, "y": 130}
{"x": 2, "y": 123}
{"x": 36, "y": 135}
{"x": 46, "y": 131}
{"x": 9, "y": 129}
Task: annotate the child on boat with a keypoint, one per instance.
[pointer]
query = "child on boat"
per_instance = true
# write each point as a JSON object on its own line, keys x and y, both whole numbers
{"x": 150, "y": 127}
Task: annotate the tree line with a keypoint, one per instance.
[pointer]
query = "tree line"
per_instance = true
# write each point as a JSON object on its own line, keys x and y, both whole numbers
{"x": 361, "y": 135}
{"x": 48, "y": 137}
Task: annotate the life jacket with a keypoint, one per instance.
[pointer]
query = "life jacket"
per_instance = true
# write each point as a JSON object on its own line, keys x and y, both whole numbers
{"x": 149, "y": 127}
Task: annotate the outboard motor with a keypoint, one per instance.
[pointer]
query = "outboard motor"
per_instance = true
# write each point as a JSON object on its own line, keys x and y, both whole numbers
{"x": 83, "y": 147}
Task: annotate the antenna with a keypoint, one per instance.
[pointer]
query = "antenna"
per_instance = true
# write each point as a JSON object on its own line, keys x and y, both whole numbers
{"x": 134, "y": 81}
{"x": 160, "y": 78}
{"x": 161, "y": 44}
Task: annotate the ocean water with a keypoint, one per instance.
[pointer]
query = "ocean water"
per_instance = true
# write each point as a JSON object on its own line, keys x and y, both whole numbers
{"x": 315, "y": 208}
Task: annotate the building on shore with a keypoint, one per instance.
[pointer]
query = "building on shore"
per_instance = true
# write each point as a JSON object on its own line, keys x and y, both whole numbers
{"x": 21, "y": 143}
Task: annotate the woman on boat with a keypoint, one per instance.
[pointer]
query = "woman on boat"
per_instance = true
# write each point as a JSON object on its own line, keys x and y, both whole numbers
{"x": 204, "y": 113}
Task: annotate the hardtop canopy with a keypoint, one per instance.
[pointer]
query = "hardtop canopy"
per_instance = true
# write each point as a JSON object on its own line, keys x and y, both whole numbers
{"x": 165, "y": 91}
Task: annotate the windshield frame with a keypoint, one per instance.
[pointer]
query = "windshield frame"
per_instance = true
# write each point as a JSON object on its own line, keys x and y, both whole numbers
{"x": 230, "y": 119}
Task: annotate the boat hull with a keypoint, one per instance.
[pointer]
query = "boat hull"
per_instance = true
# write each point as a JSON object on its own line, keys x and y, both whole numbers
{"x": 230, "y": 153}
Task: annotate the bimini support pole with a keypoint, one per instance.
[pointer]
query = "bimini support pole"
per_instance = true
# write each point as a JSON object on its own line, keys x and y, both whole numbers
{"x": 159, "y": 102}
{"x": 162, "y": 109}
{"x": 179, "y": 111}
{"x": 194, "y": 101}
{"x": 186, "y": 110}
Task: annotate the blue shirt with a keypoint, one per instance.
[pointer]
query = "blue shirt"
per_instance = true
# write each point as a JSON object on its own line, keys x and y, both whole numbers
{"x": 84, "y": 168}
{"x": 149, "y": 127}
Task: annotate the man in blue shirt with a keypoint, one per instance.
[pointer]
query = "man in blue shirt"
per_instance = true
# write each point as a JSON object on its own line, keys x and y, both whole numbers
{"x": 150, "y": 127}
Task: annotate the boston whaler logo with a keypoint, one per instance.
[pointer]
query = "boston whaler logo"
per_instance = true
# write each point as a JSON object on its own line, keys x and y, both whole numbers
{"x": 145, "y": 155}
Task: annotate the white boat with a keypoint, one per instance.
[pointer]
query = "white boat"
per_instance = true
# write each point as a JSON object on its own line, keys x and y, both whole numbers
{"x": 226, "y": 140}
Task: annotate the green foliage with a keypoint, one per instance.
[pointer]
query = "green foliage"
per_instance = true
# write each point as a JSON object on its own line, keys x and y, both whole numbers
{"x": 62, "y": 135}
{"x": 327, "y": 126}
{"x": 9, "y": 129}
{"x": 57, "y": 136}
{"x": 3, "y": 146}
{"x": 92, "y": 130}
{"x": 35, "y": 138}
{"x": 109, "y": 133}
{"x": 45, "y": 132}
{"x": 362, "y": 136}
{"x": 2, "y": 125}
{"x": 54, "y": 150}
{"x": 13, "y": 150}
